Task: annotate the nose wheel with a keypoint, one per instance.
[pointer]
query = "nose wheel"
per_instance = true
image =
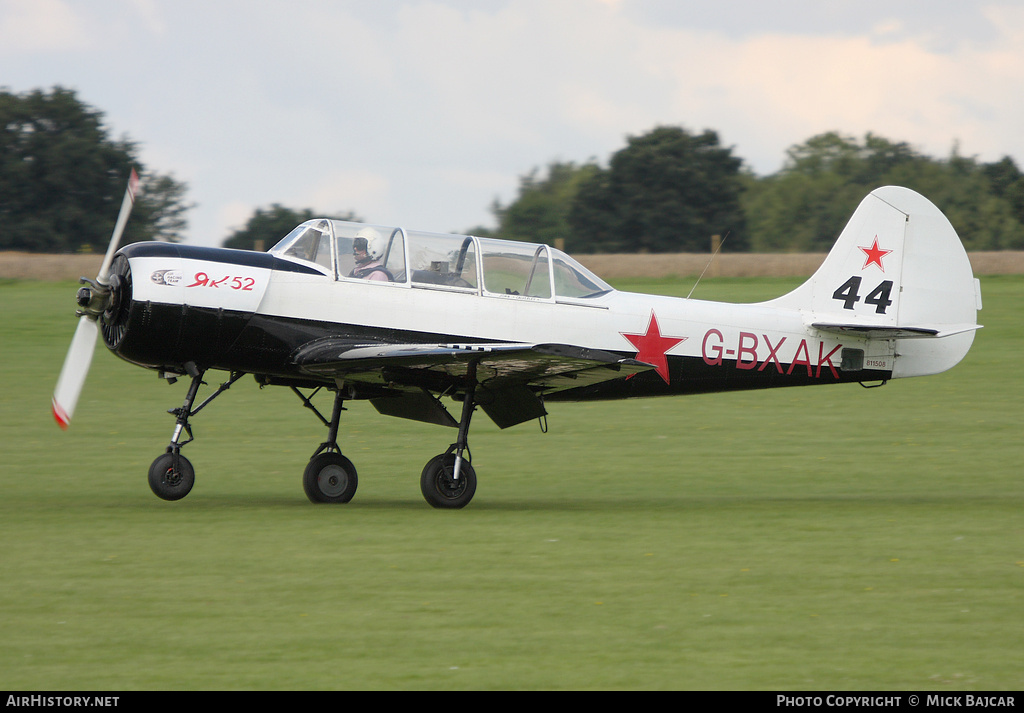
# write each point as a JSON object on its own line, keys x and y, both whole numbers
{"x": 171, "y": 476}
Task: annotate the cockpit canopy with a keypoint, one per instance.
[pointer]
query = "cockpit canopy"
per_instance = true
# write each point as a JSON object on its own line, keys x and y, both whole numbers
{"x": 438, "y": 260}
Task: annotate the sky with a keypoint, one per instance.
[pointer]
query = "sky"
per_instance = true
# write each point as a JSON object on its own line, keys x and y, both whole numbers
{"x": 422, "y": 113}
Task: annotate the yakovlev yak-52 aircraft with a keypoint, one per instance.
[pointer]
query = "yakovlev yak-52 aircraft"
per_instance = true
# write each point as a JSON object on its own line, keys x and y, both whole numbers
{"x": 410, "y": 319}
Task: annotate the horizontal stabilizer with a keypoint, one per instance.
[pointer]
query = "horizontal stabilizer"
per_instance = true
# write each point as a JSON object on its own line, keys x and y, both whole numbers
{"x": 887, "y": 331}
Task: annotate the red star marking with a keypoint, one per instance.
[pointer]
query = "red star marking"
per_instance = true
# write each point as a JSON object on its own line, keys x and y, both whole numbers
{"x": 651, "y": 347}
{"x": 874, "y": 255}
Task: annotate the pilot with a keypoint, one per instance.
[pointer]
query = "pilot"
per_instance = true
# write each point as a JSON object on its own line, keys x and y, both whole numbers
{"x": 368, "y": 251}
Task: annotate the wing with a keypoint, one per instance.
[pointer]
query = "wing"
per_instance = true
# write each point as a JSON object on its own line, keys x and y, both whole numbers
{"x": 512, "y": 377}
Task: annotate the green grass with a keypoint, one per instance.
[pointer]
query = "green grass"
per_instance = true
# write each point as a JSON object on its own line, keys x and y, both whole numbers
{"x": 819, "y": 538}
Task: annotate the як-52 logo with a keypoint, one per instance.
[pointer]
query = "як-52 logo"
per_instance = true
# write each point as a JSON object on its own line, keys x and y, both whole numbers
{"x": 245, "y": 284}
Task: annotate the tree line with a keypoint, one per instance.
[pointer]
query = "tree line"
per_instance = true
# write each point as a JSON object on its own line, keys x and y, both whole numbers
{"x": 62, "y": 178}
{"x": 668, "y": 190}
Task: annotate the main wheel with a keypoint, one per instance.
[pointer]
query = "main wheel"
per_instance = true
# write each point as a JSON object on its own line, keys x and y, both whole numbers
{"x": 171, "y": 477}
{"x": 330, "y": 478}
{"x": 439, "y": 486}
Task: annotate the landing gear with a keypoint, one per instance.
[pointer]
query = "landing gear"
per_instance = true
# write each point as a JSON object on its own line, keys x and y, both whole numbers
{"x": 449, "y": 480}
{"x": 329, "y": 477}
{"x": 171, "y": 476}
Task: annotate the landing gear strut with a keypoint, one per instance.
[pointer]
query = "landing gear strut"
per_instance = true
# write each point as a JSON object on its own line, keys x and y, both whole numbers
{"x": 329, "y": 477}
{"x": 171, "y": 476}
{"x": 449, "y": 480}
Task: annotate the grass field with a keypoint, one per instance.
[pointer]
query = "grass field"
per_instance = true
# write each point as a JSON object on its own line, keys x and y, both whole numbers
{"x": 818, "y": 538}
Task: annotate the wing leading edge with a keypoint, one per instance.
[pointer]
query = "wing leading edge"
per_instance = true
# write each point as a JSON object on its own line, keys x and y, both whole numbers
{"x": 512, "y": 377}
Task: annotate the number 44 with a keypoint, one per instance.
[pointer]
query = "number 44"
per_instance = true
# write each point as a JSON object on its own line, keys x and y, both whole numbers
{"x": 849, "y": 294}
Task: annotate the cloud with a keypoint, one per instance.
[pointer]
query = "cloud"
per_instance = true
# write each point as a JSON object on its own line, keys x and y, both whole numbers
{"x": 423, "y": 112}
{"x": 341, "y": 191}
{"x": 232, "y": 216}
{"x": 40, "y": 26}
{"x": 768, "y": 91}
{"x": 451, "y": 90}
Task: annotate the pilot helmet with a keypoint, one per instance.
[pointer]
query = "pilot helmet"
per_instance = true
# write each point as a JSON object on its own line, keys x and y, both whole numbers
{"x": 371, "y": 241}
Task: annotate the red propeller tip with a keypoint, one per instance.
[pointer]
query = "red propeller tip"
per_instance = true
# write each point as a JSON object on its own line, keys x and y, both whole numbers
{"x": 60, "y": 416}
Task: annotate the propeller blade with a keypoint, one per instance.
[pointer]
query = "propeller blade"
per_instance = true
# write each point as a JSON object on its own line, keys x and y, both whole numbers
{"x": 122, "y": 219}
{"x": 83, "y": 345}
{"x": 76, "y": 367}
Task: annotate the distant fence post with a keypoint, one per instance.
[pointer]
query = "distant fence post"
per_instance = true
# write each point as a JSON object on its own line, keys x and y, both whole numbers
{"x": 716, "y": 244}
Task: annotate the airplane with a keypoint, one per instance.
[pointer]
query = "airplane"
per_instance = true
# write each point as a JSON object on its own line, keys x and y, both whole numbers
{"x": 408, "y": 320}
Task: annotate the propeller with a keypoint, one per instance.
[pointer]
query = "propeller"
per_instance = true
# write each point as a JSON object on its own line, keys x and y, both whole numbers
{"x": 93, "y": 298}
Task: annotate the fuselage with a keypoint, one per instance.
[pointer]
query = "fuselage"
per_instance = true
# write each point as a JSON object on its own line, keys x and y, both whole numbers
{"x": 247, "y": 311}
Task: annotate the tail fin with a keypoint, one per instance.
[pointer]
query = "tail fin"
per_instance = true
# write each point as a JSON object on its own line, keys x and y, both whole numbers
{"x": 897, "y": 272}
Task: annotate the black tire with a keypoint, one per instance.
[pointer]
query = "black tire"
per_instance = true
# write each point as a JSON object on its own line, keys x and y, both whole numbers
{"x": 440, "y": 489}
{"x": 171, "y": 477}
{"x": 330, "y": 478}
